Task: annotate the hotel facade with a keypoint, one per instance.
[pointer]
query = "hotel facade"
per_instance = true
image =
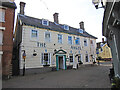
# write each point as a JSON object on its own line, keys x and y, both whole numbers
{"x": 51, "y": 44}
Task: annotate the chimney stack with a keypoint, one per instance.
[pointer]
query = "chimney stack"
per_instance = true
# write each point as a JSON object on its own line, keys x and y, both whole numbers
{"x": 55, "y": 15}
{"x": 82, "y": 25}
{"x": 103, "y": 40}
{"x": 22, "y": 6}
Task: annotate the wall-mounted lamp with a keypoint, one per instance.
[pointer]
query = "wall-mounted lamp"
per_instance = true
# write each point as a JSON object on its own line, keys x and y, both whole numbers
{"x": 34, "y": 53}
{"x": 97, "y": 2}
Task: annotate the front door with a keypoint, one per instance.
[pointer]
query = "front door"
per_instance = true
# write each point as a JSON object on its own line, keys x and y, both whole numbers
{"x": 60, "y": 61}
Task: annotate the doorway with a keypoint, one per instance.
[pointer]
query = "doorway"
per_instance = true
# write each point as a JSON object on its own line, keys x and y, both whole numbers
{"x": 60, "y": 61}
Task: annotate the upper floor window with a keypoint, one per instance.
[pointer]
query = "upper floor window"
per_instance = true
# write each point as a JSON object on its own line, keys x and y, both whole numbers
{"x": 45, "y": 22}
{"x": 34, "y": 33}
{"x": 59, "y": 38}
{"x": 69, "y": 39}
{"x": 66, "y": 27}
{"x": 80, "y": 31}
{"x": 85, "y": 42}
{"x": 47, "y": 36}
{"x": 77, "y": 41}
{"x": 2, "y": 15}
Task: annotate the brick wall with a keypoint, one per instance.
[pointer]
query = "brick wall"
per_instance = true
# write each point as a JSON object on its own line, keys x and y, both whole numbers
{"x": 7, "y": 41}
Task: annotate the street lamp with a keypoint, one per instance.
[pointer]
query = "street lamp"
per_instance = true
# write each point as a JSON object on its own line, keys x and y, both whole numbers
{"x": 97, "y": 2}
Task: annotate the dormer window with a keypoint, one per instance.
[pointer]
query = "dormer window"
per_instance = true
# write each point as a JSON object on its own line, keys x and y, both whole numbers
{"x": 80, "y": 31}
{"x": 66, "y": 27}
{"x": 45, "y": 22}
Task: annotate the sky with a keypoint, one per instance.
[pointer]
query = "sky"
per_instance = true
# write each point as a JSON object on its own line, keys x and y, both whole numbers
{"x": 71, "y": 12}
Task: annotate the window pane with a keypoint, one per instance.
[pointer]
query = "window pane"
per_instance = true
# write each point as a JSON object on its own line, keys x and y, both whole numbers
{"x": 85, "y": 42}
{"x": 77, "y": 41}
{"x": 34, "y": 33}
{"x": 2, "y": 15}
{"x": 47, "y": 36}
{"x": 69, "y": 40}
{"x": 59, "y": 38}
{"x": 86, "y": 57}
{"x": 71, "y": 58}
{"x": 1, "y": 37}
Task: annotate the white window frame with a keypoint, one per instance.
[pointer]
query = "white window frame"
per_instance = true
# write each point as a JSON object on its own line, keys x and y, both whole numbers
{"x": 71, "y": 40}
{"x": 34, "y": 38}
{"x": 1, "y": 43}
{"x": 80, "y": 58}
{"x": 60, "y": 39}
{"x": 66, "y": 27}
{"x": 85, "y": 57}
{"x": 75, "y": 41}
{"x": 42, "y": 58}
{"x": 80, "y": 31}
{"x": 43, "y": 20}
{"x": 86, "y": 42}
{"x": 46, "y": 39}
{"x": 2, "y": 15}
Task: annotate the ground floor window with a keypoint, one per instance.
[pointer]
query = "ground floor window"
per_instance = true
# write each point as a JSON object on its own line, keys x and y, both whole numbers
{"x": 86, "y": 57}
{"x": 45, "y": 59}
{"x": 71, "y": 57}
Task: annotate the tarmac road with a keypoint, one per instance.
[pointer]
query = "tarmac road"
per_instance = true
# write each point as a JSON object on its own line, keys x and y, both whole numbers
{"x": 85, "y": 77}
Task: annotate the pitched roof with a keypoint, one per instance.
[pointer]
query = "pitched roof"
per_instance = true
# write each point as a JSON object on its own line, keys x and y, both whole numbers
{"x": 31, "y": 21}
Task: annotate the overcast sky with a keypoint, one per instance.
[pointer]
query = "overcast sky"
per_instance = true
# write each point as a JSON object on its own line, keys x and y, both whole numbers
{"x": 71, "y": 12}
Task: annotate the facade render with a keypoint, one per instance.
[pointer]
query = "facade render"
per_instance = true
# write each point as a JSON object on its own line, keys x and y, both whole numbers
{"x": 50, "y": 44}
{"x": 7, "y": 12}
{"x": 103, "y": 51}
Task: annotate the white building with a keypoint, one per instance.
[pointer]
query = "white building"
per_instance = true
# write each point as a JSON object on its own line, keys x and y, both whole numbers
{"x": 52, "y": 44}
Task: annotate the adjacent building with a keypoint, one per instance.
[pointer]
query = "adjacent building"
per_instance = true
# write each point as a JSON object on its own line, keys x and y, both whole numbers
{"x": 50, "y": 44}
{"x": 103, "y": 51}
{"x": 111, "y": 30}
{"x": 7, "y": 12}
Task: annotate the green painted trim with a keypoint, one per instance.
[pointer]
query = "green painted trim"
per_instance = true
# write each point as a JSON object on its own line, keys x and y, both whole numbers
{"x": 57, "y": 68}
{"x": 65, "y": 62}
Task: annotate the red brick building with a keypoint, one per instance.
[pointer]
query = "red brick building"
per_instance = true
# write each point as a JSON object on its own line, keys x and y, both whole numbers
{"x": 7, "y": 12}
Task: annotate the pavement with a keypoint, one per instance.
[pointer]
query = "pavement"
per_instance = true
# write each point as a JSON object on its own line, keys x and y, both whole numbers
{"x": 90, "y": 76}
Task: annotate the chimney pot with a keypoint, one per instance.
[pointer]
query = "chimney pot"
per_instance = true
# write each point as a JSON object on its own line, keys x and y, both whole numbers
{"x": 55, "y": 15}
{"x": 22, "y": 6}
{"x": 82, "y": 25}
